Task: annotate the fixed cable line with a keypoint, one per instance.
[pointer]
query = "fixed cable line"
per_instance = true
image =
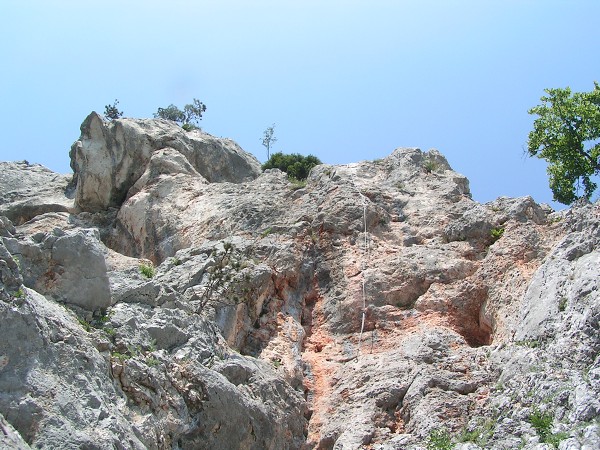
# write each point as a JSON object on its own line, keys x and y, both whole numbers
{"x": 364, "y": 266}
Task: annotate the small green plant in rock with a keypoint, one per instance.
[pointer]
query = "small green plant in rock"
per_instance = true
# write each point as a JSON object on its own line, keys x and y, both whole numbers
{"x": 496, "y": 233}
{"x": 479, "y": 435}
{"x": 134, "y": 350}
{"x": 430, "y": 166}
{"x": 151, "y": 361}
{"x": 267, "y": 232}
{"x": 542, "y": 422}
{"x": 562, "y": 304}
{"x": 531, "y": 343}
{"x": 120, "y": 356}
{"x": 147, "y": 270}
{"x": 152, "y": 346}
{"x": 469, "y": 436}
{"x": 555, "y": 438}
{"x": 19, "y": 293}
{"x": 86, "y": 325}
{"x": 439, "y": 440}
{"x": 297, "y": 184}
{"x": 110, "y": 331}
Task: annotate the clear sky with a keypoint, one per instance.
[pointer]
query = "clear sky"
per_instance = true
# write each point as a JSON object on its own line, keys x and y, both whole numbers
{"x": 343, "y": 80}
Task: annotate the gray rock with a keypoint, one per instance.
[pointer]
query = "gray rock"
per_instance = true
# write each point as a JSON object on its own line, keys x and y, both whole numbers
{"x": 109, "y": 158}
{"x": 10, "y": 277}
{"x": 55, "y": 389}
{"x": 369, "y": 308}
{"x": 32, "y": 189}
{"x": 10, "y": 438}
{"x": 67, "y": 266}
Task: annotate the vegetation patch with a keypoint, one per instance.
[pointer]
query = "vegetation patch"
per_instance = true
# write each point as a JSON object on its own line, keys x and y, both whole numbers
{"x": 542, "y": 423}
{"x": 295, "y": 165}
{"x": 496, "y": 233}
{"x": 439, "y": 440}
{"x": 429, "y": 165}
{"x": 147, "y": 270}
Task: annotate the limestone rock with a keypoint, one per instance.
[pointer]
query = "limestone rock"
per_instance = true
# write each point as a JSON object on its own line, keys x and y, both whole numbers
{"x": 10, "y": 438}
{"x": 10, "y": 277}
{"x": 109, "y": 158}
{"x": 30, "y": 190}
{"x": 197, "y": 303}
{"x": 67, "y": 266}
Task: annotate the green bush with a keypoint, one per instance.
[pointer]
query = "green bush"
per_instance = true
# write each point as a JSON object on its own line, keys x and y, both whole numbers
{"x": 188, "y": 118}
{"x": 111, "y": 112}
{"x": 439, "y": 440}
{"x": 147, "y": 270}
{"x": 295, "y": 165}
{"x": 496, "y": 233}
{"x": 430, "y": 166}
{"x": 542, "y": 422}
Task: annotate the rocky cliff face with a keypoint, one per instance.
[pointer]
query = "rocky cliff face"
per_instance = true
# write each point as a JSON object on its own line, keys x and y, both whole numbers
{"x": 170, "y": 295}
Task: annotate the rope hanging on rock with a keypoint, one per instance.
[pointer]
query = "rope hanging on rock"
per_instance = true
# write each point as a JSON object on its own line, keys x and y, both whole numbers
{"x": 363, "y": 269}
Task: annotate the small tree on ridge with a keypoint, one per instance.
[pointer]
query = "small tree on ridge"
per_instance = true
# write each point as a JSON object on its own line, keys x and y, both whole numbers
{"x": 269, "y": 139}
{"x": 188, "y": 118}
{"x": 111, "y": 112}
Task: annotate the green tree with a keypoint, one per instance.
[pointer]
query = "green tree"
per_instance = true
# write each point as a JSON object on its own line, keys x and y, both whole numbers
{"x": 269, "y": 139}
{"x": 566, "y": 134}
{"x": 171, "y": 112}
{"x": 188, "y": 118}
{"x": 295, "y": 165}
{"x": 111, "y": 112}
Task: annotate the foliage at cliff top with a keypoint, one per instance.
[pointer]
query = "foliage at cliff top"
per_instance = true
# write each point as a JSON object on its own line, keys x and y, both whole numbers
{"x": 188, "y": 118}
{"x": 295, "y": 165}
{"x": 566, "y": 134}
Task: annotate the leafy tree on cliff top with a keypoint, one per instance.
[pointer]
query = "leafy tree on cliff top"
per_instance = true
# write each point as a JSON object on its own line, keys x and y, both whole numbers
{"x": 188, "y": 118}
{"x": 566, "y": 134}
{"x": 295, "y": 165}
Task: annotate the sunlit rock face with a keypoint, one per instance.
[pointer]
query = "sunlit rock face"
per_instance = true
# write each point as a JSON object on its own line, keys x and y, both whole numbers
{"x": 110, "y": 157}
{"x": 180, "y": 298}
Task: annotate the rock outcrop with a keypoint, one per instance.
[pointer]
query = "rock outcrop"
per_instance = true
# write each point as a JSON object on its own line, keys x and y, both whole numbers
{"x": 182, "y": 299}
{"x": 110, "y": 157}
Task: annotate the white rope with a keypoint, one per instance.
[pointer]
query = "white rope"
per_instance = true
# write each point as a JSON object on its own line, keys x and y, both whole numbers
{"x": 363, "y": 269}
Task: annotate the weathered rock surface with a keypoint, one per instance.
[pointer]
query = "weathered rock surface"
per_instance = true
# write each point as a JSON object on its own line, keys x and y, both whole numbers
{"x": 41, "y": 191}
{"x": 110, "y": 157}
{"x": 195, "y": 303}
{"x": 68, "y": 266}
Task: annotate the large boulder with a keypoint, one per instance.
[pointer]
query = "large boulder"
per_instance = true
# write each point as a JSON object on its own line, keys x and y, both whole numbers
{"x": 67, "y": 266}
{"x": 29, "y": 190}
{"x": 110, "y": 157}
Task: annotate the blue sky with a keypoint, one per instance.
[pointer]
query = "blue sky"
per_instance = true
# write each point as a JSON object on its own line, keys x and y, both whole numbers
{"x": 343, "y": 80}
